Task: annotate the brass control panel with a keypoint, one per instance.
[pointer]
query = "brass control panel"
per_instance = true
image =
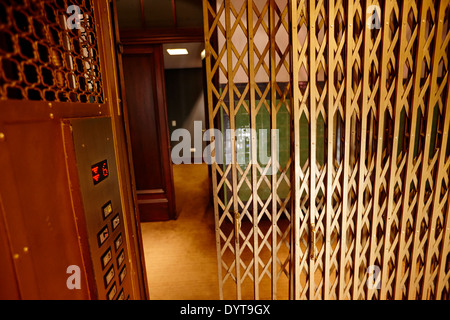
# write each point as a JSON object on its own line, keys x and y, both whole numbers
{"x": 99, "y": 184}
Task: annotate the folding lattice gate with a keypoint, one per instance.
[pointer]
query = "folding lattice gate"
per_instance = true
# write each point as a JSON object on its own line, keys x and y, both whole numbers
{"x": 353, "y": 202}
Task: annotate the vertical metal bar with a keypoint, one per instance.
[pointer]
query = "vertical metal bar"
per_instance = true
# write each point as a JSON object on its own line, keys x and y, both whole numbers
{"x": 305, "y": 171}
{"x": 210, "y": 84}
{"x": 352, "y": 115}
{"x": 273, "y": 158}
{"x": 387, "y": 55}
{"x": 363, "y": 172}
{"x": 286, "y": 171}
{"x": 296, "y": 112}
{"x": 375, "y": 221}
{"x": 444, "y": 276}
{"x": 377, "y": 215}
{"x": 292, "y": 126}
{"x": 313, "y": 127}
{"x": 254, "y": 158}
{"x": 395, "y": 178}
{"x": 231, "y": 89}
{"x": 413, "y": 161}
{"x": 347, "y": 123}
{"x": 330, "y": 145}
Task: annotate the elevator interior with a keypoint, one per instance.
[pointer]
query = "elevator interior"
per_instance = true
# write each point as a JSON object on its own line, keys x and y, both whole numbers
{"x": 355, "y": 187}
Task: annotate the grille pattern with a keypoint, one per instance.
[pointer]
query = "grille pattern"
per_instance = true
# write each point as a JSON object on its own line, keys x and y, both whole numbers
{"x": 367, "y": 97}
{"x": 48, "y": 51}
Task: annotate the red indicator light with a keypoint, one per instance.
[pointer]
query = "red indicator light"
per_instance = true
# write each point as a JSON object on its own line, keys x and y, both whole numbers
{"x": 100, "y": 172}
{"x": 105, "y": 170}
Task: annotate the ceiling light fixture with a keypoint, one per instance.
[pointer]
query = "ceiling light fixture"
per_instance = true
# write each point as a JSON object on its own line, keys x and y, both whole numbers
{"x": 177, "y": 52}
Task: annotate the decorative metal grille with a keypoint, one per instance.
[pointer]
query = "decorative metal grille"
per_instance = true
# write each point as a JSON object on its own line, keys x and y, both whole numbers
{"x": 255, "y": 254}
{"x": 367, "y": 101}
{"x": 49, "y": 53}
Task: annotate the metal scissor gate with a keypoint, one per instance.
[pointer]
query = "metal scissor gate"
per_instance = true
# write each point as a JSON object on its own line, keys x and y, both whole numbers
{"x": 349, "y": 100}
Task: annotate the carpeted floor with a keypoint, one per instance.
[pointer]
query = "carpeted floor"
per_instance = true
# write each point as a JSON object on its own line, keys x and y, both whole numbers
{"x": 180, "y": 255}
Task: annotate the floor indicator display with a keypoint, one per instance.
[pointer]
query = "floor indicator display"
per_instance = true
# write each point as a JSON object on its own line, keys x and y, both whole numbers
{"x": 96, "y": 166}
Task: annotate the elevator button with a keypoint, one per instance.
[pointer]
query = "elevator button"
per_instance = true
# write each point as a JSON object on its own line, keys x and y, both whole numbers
{"x": 118, "y": 242}
{"x": 107, "y": 209}
{"x": 121, "y": 295}
{"x": 120, "y": 259}
{"x": 109, "y": 276}
{"x": 122, "y": 274}
{"x": 112, "y": 292}
{"x": 115, "y": 222}
{"x": 102, "y": 236}
{"x": 106, "y": 258}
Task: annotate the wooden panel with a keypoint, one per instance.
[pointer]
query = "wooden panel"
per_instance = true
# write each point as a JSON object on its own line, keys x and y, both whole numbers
{"x": 124, "y": 158}
{"x": 146, "y": 109}
{"x": 8, "y": 276}
{"x": 162, "y": 36}
{"x": 41, "y": 262}
{"x": 54, "y": 73}
{"x": 143, "y": 119}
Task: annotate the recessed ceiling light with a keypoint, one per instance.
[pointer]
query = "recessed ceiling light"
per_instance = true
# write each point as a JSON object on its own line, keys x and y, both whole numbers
{"x": 177, "y": 52}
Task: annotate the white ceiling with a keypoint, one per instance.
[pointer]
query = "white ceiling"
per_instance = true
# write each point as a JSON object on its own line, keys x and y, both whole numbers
{"x": 192, "y": 60}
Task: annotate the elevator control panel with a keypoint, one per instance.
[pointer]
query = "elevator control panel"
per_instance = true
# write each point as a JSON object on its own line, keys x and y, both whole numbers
{"x": 99, "y": 184}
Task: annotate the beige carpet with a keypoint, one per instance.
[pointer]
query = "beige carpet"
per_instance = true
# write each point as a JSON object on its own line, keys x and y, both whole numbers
{"x": 180, "y": 255}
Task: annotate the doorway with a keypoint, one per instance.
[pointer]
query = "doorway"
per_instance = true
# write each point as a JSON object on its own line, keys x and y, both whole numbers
{"x": 181, "y": 254}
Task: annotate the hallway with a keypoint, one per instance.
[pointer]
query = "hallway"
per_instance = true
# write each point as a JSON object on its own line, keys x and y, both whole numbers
{"x": 180, "y": 255}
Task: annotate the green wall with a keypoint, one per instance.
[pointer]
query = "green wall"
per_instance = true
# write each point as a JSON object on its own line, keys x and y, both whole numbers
{"x": 263, "y": 121}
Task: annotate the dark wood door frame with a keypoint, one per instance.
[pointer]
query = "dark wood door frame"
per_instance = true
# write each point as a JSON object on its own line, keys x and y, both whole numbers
{"x": 160, "y": 35}
{"x": 135, "y": 225}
